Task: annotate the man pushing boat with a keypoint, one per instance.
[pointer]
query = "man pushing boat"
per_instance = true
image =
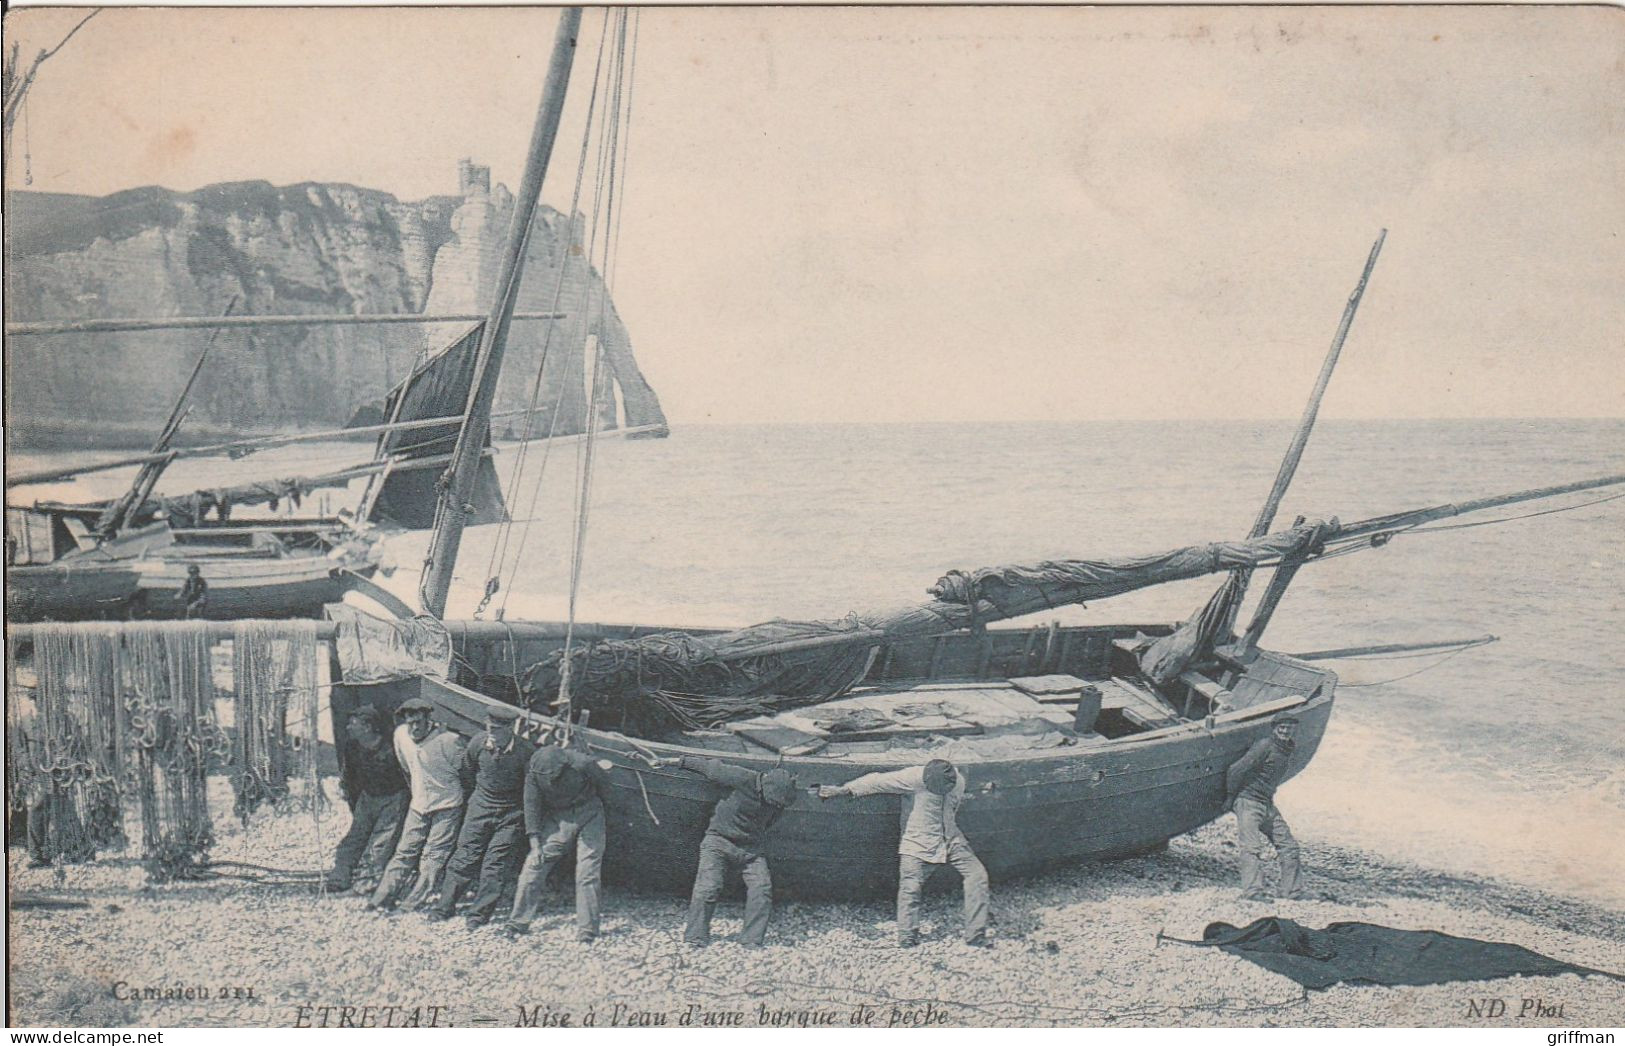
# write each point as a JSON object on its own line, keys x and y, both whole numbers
{"x": 491, "y": 842}
{"x": 739, "y": 825}
{"x": 564, "y": 807}
{"x": 1250, "y": 785}
{"x": 931, "y": 837}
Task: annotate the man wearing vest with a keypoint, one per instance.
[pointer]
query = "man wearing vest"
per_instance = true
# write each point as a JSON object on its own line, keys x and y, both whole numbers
{"x": 931, "y": 837}
{"x": 493, "y": 832}
{"x": 739, "y": 825}
{"x": 564, "y": 804}
{"x": 433, "y": 759}
{"x": 1250, "y": 786}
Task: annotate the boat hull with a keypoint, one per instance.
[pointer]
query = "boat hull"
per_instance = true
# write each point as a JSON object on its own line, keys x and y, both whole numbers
{"x": 1022, "y": 814}
{"x": 150, "y": 589}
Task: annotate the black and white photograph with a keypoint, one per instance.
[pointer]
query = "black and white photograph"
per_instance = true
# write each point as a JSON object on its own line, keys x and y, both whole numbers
{"x": 815, "y": 517}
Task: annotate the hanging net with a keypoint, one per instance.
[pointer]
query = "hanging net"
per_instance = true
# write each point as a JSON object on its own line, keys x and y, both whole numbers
{"x": 131, "y": 714}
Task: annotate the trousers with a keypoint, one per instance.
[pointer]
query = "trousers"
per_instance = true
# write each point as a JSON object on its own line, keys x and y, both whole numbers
{"x": 718, "y": 858}
{"x": 912, "y": 874}
{"x": 582, "y": 825}
{"x": 1255, "y": 822}
{"x": 375, "y": 824}
{"x": 489, "y": 848}
{"x": 425, "y": 846}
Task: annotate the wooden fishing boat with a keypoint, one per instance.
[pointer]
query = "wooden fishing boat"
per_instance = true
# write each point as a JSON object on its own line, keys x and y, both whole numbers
{"x": 280, "y": 569}
{"x": 127, "y": 559}
{"x": 1145, "y": 772}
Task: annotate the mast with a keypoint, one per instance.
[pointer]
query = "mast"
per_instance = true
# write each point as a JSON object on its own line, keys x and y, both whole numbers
{"x": 1168, "y": 657}
{"x": 1300, "y": 439}
{"x": 459, "y": 479}
{"x": 125, "y": 509}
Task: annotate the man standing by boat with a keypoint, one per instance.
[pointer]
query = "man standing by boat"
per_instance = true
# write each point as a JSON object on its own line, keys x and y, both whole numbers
{"x": 375, "y": 789}
{"x": 194, "y": 594}
{"x": 931, "y": 837}
{"x": 739, "y": 825}
{"x": 488, "y": 847}
{"x": 433, "y": 759}
{"x": 564, "y": 804}
{"x": 1250, "y": 786}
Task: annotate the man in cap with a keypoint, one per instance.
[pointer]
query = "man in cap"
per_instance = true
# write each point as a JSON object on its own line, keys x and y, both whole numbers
{"x": 734, "y": 839}
{"x": 564, "y": 804}
{"x": 375, "y": 789}
{"x": 493, "y": 833}
{"x": 194, "y": 594}
{"x": 1250, "y": 785}
{"x": 930, "y": 839}
{"x": 433, "y": 759}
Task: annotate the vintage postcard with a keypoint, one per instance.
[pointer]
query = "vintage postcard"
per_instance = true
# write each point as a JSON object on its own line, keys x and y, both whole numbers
{"x": 815, "y": 517}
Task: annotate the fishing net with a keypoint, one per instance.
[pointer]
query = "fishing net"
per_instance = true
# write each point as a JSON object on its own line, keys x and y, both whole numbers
{"x": 675, "y": 681}
{"x": 132, "y": 713}
{"x": 63, "y": 763}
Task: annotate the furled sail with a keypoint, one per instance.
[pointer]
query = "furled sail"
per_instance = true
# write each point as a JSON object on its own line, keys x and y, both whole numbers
{"x": 437, "y": 388}
{"x": 680, "y": 681}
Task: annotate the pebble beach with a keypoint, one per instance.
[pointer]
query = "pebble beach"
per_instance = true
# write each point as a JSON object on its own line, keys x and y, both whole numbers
{"x": 1081, "y": 946}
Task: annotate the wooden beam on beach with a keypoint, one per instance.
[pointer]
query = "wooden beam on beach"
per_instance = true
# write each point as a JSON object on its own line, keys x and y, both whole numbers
{"x": 336, "y": 319}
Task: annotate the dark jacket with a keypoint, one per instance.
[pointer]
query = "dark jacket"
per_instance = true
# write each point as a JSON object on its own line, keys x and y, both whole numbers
{"x": 495, "y": 778}
{"x": 194, "y": 590}
{"x": 375, "y": 772}
{"x": 558, "y": 779}
{"x": 1260, "y": 772}
{"x": 745, "y": 814}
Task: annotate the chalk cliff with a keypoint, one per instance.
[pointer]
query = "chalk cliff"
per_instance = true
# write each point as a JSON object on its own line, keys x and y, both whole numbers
{"x": 310, "y": 248}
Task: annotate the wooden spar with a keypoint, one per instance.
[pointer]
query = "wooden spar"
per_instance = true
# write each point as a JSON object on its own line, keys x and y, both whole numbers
{"x": 120, "y": 515}
{"x": 1026, "y": 599}
{"x": 269, "y": 442}
{"x": 519, "y": 631}
{"x": 1300, "y": 439}
{"x": 1406, "y": 520}
{"x": 451, "y": 513}
{"x": 1394, "y": 648}
{"x": 162, "y": 323}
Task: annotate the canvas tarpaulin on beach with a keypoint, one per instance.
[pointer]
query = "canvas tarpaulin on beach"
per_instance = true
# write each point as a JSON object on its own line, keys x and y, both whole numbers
{"x": 1365, "y": 953}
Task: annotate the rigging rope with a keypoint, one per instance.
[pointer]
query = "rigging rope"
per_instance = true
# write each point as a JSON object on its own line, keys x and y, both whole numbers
{"x": 603, "y": 205}
{"x": 1408, "y": 675}
{"x": 497, "y": 566}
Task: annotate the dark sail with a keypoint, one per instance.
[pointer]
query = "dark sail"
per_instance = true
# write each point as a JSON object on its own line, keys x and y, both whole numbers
{"x": 437, "y": 388}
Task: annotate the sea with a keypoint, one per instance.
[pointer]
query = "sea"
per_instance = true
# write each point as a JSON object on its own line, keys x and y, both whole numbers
{"x": 1505, "y": 760}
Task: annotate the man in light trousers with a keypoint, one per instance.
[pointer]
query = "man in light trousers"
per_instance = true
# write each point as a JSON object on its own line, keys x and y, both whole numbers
{"x": 432, "y": 758}
{"x": 1250, "y": 785}
{"x": 930, "y": 839}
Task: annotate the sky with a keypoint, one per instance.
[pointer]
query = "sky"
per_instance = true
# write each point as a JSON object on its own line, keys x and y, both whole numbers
{"x": 970, "y": 214}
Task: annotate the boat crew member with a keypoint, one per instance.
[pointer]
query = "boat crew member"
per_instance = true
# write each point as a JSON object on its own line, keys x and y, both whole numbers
{"x": 433, "y": 759}
{"x": 564, "y": 804}
{"x": 194, "y": 595}
{"x": 734, "y": 839}
{"x": 490, "y": 844}
{"x": 1250, "y": 785}
{"x": 375, "y": 789}
{"x": 931, "y": 838}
